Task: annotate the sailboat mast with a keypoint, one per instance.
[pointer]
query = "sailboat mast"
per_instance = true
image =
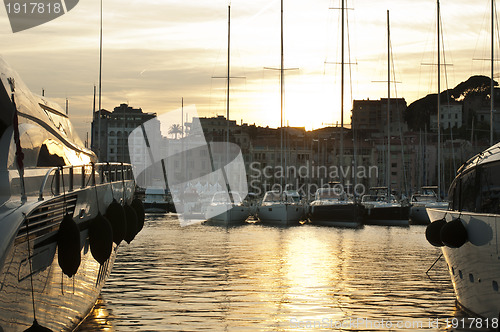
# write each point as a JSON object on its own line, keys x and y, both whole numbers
{"x": 282, "y": 86}
{"x": 492, "y": 96}
{"x": 100, "y": 76}
{"x": 228, "y": 69}
{"x": 388, "y": 108}
{"x": 342, "y": 60}
{"x": 438, "y": 102}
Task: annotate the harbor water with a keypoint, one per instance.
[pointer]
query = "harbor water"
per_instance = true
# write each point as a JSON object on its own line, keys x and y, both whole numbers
{"x": 259, "y": 278}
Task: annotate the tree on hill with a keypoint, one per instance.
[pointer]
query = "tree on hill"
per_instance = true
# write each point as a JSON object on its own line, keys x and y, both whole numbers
{"x": 418, "y": 113}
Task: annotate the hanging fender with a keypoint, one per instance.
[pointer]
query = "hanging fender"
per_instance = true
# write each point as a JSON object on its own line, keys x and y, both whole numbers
{"x": 116, "y": 216}
{"x": 131, "y": 219}
{"x": 139, "y": 210}
{"x": 100, "y": 238}
{"x": 68, "y": 246}
{"x": 433, "y": 232}
{"x": 454, "y": 234}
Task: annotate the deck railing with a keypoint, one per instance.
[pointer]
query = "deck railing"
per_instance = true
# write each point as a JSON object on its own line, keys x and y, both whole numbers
{"x": 85, "y": 176}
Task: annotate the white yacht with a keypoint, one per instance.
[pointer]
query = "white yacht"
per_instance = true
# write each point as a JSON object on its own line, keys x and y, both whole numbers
{"x": 383, "y": 209}
{"x": 419, "y": 202}
{"x": 468, "y": 233}
{"x": 226, "y": 210}
{"x": 281, "y": 208}
{"x": 56, "y": 248}
{"x": 332, "y": 207}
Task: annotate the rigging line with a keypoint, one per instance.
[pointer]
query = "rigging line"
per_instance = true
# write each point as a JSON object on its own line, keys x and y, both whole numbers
{"x": 496, "y": 22}
{"x": 405, "y": 173}
{"x": 447, "y": 98}
{"x": 31, "y": 268}
{"x": 426, "y": 272}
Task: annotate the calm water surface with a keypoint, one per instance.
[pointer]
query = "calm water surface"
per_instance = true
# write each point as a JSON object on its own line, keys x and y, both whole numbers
{"x": 258, "y": 278}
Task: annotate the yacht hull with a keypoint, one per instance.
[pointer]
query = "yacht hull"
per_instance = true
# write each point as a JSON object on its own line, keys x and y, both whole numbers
{"x": 418, "y": 212}
{"x": 475, "y": 267}
{"x": 281, "y": 214}
{"x": 387, "y": 216}
{"x": 232, "y": 217}
{"x": 157, "y": 207}
{"x": 61, "y": 303}
{"x": 340, "y": 215}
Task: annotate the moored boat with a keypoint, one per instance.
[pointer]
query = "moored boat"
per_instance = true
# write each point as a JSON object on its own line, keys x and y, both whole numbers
{"x": 56, "y": 247}
{"x": 332, "y": 207}
{"x": 280, "y": 209}
{"x": 468, "y": 234}
{"x": 427, "y": 198}
{"x": 225, "y": 210}
{"x": 384, "y": 210}
{"x": 157, "y": 200}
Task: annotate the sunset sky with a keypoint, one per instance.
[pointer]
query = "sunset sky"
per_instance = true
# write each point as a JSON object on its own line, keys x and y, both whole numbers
{"x": 158, "y": 51}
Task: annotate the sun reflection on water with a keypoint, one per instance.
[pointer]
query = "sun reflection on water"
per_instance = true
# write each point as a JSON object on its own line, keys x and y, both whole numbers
{"x": 264, "y": 279}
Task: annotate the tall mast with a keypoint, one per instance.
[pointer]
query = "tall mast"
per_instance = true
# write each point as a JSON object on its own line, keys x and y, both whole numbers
{"x": 438, "y": 102}
{"x": 388, "y": 169}
{"x": 228, "y": 70}
{"x": 282, "y": 86}
{"x": 100, "y": 76}
{"x": 492, "y": 96}
{"x": 342, "y": 61}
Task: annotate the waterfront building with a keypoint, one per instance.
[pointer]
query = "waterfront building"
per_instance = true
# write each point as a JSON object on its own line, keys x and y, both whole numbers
{"x": 112, "y": 142}
{"x": 369, "y": 117}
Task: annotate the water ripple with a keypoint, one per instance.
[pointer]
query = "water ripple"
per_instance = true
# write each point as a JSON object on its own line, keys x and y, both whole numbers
{"x": 266, "y": 279}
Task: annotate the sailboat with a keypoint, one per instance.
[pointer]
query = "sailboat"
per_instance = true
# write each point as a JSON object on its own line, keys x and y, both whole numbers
{"x": 383, "y": 208}
{"x": 226, "y": 208}
{"x": 431, "y": 197}
{"x": 331, "y": 206}
{"x": 281, "y": 207}
{"x": 467, "y": 232}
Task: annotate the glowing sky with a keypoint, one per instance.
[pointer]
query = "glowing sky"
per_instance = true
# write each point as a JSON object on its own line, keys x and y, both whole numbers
{"x": 158, "y": 51}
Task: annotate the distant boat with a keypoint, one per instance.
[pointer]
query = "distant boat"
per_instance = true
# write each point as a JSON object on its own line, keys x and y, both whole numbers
{"x": 157, "y": 200}
{"x": 226, "y": 207}
{"x": 427, "y": 198}
{"x": 332, "y": 207}
{"x": 384, "y": 209}
{"x": 281, "y": 208}
{"x": 224, "y": 211}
